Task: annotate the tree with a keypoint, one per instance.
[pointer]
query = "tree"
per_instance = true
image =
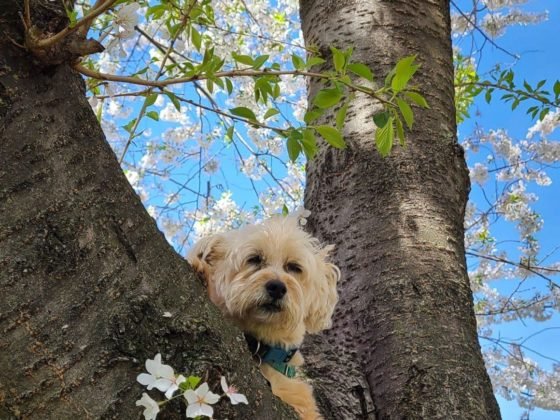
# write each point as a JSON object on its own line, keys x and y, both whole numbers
{"x": 90, "y": 287}
{"x": 404, "y": 341}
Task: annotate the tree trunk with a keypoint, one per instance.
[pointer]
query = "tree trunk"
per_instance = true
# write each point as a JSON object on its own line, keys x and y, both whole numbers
{"x": 404, "y": 342}
{"x": 85, "y": 276}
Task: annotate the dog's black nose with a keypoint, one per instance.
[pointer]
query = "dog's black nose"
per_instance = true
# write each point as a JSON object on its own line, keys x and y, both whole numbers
{"x": 276, "y": 289}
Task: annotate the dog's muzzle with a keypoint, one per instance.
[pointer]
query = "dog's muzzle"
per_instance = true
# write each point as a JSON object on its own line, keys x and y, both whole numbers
{"x": 275, "y": 290}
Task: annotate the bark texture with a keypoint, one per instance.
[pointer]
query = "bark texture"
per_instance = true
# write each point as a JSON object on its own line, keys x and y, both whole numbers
{"x": 404, "y": 342}
{"x": 85, "y": 276}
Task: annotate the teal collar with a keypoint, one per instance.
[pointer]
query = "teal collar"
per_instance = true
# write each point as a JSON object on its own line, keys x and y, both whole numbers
{"x": 277, "y": 357}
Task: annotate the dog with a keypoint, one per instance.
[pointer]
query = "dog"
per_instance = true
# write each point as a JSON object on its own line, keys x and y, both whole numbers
{"x": 275, "y": 282}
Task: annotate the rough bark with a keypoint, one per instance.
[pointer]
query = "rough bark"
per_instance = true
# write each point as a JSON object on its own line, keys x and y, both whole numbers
{"x": 404, "y": 342}
{"x": 85, "y": 276}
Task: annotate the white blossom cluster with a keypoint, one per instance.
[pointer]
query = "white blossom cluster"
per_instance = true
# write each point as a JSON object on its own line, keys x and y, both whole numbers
{"x": 513, "y": 170}
{"x": 494, "y": 17}
{"x": 199, "y": 401}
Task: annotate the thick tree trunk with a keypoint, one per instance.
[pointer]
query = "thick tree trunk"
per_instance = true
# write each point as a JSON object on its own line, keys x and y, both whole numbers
{"x": 85, "y": 276}
{"x": 404, "y": 341}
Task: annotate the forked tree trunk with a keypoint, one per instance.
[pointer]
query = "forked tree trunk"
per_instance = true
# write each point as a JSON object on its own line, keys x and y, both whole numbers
{"x": 85, "y": 276}
{"x": 404, "y": 342}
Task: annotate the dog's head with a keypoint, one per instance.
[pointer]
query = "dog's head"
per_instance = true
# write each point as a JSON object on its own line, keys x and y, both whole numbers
{"x": 273, "y": 279}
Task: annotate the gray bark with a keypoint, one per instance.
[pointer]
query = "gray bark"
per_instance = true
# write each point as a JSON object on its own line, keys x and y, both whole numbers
{"x": 85, "y": 275}
{"x": 404, "y": 342}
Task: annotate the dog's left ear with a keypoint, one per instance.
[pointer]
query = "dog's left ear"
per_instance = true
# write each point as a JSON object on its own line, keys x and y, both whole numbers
{"x": 325, "y": 296}
{"x": 204, "y": 256}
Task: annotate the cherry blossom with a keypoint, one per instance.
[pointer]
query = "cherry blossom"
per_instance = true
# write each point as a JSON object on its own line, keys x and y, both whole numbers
{"x": 232, "y": 393}
{"x": 160, "y": 376}
{"x": 151, "y": 406}
{"x": 199, "y": 401}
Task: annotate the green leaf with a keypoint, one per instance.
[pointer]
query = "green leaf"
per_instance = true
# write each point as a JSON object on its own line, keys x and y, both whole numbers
{"x": 556, "y": 88}
{"x": 327, "y": 98}
{"x": 128, "y": 127}
{"x": 331, "y": 135}
{"x": 270, "y": 113}
{"x": 309, "y": 143}
{"x": 338, "y": 59}
{"x": 207, "y": 59}
{"x": 243, "y": 59}
{"x": 259, "y": 61}
{"x": 276, "y": 91}
{"x": 150, "y": 99}
{"x": 229, "y": 134}
{"x": 190, "y": 383}
{"x": 543, "y": 113}
{"x": 229, "y": 86}
{"x": 153, "y": 115}
{"x": 313, "y": 61}
{"x": 384, "y": 138}
{"x": 157, "y": 11}
{"x": 341, "y": 116}
{"x": 361, "y": 70}
{"x": 488, "y": 96}
{"x": 298, "y": 62}
{"x": 241, "y": 111}
{"x": 381, "y": 119}
{"x": 404, "y": 70}
{"x": 400, "y": 131}
{"x": 196, "y": 38}
{"x": 174, "y": 100}
{"x": 294, "y": 148}
{"x": 285, "y": 210}
{"x": 312, "y": 115}
{"x": 417, "y": 99}
{"x": 406, "y": 112}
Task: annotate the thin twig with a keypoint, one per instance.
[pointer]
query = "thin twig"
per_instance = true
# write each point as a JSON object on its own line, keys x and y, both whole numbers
{"x": 486, "y": 37}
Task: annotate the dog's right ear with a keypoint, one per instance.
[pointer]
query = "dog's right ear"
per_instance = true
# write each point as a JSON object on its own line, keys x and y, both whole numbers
{"x": 204, "y": 258}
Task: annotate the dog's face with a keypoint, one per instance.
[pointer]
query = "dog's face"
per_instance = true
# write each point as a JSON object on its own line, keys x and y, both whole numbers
{"x": 272, "y": 279}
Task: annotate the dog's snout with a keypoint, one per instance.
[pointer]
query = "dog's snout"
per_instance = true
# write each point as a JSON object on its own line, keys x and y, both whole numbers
{"x": 276, "y": 289}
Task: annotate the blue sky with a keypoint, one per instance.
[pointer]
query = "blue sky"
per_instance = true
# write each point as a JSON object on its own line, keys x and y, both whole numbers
{"x": 540, "y": 59}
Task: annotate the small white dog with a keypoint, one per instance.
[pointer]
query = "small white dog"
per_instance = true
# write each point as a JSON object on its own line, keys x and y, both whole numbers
{"x": 275, "y": 282}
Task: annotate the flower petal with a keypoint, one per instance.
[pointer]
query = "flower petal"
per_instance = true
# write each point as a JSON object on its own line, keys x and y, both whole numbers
{"x": 211, "y": 398}
{"x": 170, "y": 391}
{"x": 194, "y": 410}
{"x": 202, "y": 390}
{"x": 238, "y": 398}
{"x": 165, "y": 371}
{"x": 145, "y": 379}
{"x": 162, "y": 384}
{"x": 206, "y": 410}
{"x": 152, "y": 364}
{"x": 190, "y": 396}
{"x": 224, "y": 384}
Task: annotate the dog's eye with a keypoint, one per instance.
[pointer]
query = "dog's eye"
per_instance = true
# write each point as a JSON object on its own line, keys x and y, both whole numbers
{"x": 293, "y": 267}
{"x": 254, "y": 260}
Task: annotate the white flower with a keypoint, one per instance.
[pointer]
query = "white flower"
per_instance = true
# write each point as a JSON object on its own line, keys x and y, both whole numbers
{"x": 160, "y": 376}
{"x": 231, "y": 392}
{"x": 152, "y": 407}
{"x": 123, "y": 25}
{"x": 126, "y": 18}
{"x": 479, "y": 173}
{"x": 199, "y": 400}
